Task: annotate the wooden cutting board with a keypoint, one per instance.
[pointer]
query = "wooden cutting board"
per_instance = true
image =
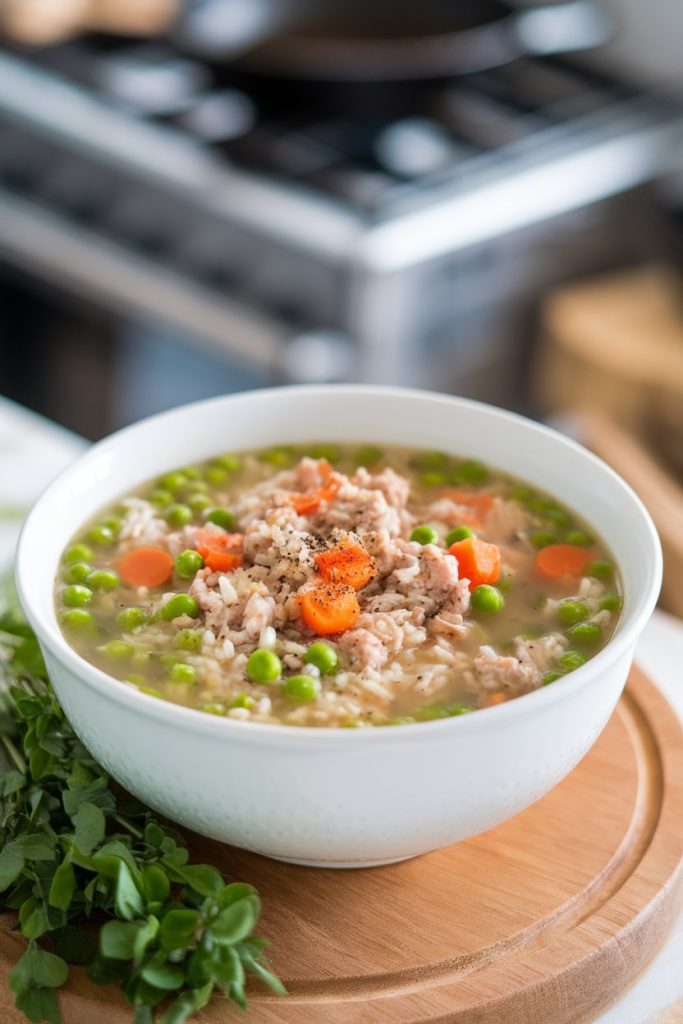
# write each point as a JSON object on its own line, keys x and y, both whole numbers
{"x": 547, "y": 918}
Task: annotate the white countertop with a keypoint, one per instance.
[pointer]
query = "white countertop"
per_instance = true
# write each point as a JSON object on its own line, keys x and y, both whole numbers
{"x": 33, "y": 450}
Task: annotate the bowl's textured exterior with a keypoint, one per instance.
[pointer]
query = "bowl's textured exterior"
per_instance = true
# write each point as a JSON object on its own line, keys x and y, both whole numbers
{"x": 339, "y": 797}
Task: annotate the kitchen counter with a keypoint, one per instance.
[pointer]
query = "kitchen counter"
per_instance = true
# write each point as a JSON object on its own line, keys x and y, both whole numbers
{"x": 33, "y": 450}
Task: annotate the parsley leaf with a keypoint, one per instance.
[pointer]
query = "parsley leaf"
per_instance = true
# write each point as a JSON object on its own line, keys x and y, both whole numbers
{"x": 72, "y": 846}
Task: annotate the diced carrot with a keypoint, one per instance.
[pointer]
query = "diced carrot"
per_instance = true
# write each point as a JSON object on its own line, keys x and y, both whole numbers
{"x": 495, "y": 698}
{"x": 478, "y": 561}
{"x": 146, "y": 567}
{"x": 347, "y": 563}
{"x": 329, "y": 608}
{"x": 221, "y": 551}
{"x": 558, "y": 560}
{"x": 306, "y": 503}
{"x": 479, "y": 501}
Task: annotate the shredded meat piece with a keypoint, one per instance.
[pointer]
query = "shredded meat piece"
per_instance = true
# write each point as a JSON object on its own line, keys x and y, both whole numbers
{"x": 505, "y": 672}
{"x": 395, "y": 488}
{"x": 426, "y": 575}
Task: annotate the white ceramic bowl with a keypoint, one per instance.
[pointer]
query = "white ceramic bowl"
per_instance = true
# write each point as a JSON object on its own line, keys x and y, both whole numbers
{"x": 339, "y": 797}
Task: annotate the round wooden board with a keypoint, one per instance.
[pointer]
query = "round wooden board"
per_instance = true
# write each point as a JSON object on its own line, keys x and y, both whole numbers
{"x": 546, "y": 918}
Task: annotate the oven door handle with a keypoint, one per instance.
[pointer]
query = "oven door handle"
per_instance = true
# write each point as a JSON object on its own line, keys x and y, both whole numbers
{"x": 129, "y": 284}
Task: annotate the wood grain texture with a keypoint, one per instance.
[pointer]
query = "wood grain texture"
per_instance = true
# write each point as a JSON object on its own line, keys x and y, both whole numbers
{"x": 546, "y": 918}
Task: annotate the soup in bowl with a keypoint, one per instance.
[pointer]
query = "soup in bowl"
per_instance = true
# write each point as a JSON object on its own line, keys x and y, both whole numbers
{"x": 337, "y": 585}
{"x": 235, "y": 609}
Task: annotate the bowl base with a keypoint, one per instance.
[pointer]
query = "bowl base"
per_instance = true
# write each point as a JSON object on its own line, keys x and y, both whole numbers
{"x": 342, "y": 864}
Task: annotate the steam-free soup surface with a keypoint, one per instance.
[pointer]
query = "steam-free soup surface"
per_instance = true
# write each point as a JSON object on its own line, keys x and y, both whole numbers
{"x": 334, "y": 585}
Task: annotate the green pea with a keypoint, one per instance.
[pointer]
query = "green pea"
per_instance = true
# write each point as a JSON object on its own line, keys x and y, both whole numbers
{"x": 196, "y": 487}
{"x": 400, "y": 720}
{"x": 79, "y": 553}
{"x": 283, "y": 456}
{"x": 540, "y": 505}
{"x": 424, "y": 535}
{"x": 264, "y": 666}
{"x": 520, "y": 492}
{"x": 430, "y": 713}
{"x": 458, "y": 709}
{"x": 76, "y": 572}
{"x": 168, "y": 659}
{"x": 557, "y": 516}
{"x": 221, "y": 517}
{"x": 433, "y": 478}
{"x": 161, "y": 497}
{"x": 199, "y": 502}
{"x": 550, "y": 677}
{"x": 542, "y": 538}
{"x": 174, "y": 481}
{"x": 570, "y": 612}
{"x": 324, "y": 451}
{"x": 79, "y": 619}
{"x": 431, "y": 460}
{"x": 368, "y": 455}
{"x": 215, "y": 476}
{"x": 180, "y": 604}
{"x": 213, "y": 709}
{"x": 189, "y": 640}
{"x": 300, "y": 689}
{"x": 242, "y": 700}
{"x": 113, "y": 523}
{"x": 458, "y": 533}
{"x": 103, "y": 579}
{"x": 571, "y": 660}
{"x": 191, "y": 472}
{"x": 101, "y": 534}
{"x": 182, "y": 673}
{"x": 117, "y": 649}
{"x": 76, "y": 595}
{"x": 136, "y": 680}
{"x": 579, "y": 538}
{"x": 469, "y": 472}
{"x": 610, "y": 603}
{"x": 355, "y": 723}
{"x": 131, "y": 618}
{"x": 178, "y": 515}
{"x": 151, "y": 692}
{"x": 228, "y": 461}
{"x": 323, "y": 657}
{"x": 188, "y": 563}
{"x": 488, "y": 599}
{"x": 141, "y": 658}
{"x": 585, "y": 633}
{"x": 601, "y": 570}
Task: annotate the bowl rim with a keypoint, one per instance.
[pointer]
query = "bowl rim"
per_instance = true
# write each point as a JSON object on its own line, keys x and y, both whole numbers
{"x": 50, "y": 636}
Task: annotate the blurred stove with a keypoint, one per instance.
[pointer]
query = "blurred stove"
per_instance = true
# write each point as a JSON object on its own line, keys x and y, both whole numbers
{"x": 398, "y": 236}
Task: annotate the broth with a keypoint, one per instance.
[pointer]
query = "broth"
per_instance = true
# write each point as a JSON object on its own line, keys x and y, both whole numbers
{"x": 337, "y": 585}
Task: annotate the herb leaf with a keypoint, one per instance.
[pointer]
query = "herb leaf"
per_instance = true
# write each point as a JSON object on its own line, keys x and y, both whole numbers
{"x": 63, "y": 886}
{"x": 72, "y": 847}
{"x": 11, "y": 866}
{"x": 89, "y": 828}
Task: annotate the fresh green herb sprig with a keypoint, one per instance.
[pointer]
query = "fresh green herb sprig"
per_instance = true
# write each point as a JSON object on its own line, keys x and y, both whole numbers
{"x": 97, "y": 878}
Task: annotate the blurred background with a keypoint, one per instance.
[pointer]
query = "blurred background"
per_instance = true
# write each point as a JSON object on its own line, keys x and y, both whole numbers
{"x": 476, "y": 196}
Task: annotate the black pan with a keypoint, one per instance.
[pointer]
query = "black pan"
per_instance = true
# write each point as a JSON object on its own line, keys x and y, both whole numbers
{"x": 385, "y": 40}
